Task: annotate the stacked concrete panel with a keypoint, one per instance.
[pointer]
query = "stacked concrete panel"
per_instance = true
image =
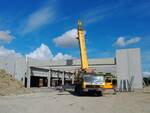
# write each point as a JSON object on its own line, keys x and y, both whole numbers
{"x": 129, "y": 74}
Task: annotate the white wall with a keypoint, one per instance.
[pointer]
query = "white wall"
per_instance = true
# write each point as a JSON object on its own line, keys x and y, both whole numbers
{"x": 128, "y": 65}
{"x": 16, "y": 67}
{"x": 20, "y": 68}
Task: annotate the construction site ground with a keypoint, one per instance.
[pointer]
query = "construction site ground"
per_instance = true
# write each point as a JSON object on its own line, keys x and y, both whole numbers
{"x": 50, "y": 101}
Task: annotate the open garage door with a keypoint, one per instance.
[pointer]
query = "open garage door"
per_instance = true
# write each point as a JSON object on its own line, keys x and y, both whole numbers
{"x": 37, "y": 81}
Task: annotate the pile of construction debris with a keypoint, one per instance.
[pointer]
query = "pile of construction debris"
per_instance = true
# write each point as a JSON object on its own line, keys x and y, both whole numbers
{"x": 9, "y": 85}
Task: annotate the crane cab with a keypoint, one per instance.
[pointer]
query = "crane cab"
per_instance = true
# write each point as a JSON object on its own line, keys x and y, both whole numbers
{"x": 90, "y": 83}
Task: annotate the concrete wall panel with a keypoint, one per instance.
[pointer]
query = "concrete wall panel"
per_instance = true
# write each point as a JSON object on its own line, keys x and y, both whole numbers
{"x": 128, "y": 66}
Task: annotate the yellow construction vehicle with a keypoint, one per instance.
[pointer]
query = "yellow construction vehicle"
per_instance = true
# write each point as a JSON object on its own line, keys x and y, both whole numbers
{"x": 87, "y": 81}
{"x": 108, "y": 81}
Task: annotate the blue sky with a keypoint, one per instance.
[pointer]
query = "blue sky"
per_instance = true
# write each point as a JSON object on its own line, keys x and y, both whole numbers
{"x": 28, "y": 27}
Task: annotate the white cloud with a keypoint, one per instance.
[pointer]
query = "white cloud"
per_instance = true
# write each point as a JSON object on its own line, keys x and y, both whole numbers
{"x": 94, "y": 15}
{"x": 61, "y": 56}
{"x": 8, "y": 53}
{"x": 100, "y": 13}
{"x": 39, "y": 18}
{"x": 6, "y": 36}
{"x": 44, "y": 53}
{"x": 67, "y": 40}
{"x": 41, "y": 53}
{"x": 121, "y": 42}
{"x": 146, "y": 74}
{"x": 133, "y": 40}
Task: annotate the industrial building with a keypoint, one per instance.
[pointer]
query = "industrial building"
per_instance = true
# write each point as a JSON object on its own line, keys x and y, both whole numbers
{"x": 126, "y": 66}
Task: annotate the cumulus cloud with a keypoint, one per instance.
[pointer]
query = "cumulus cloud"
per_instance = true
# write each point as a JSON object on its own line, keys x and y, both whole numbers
{"x": 67, "y": 40}
{"x": 39, "y": 18}
{"x": 44, "y": 53}
{"x": 8, "y": 53}
{"x": 41, "y": 53}
{"x": 121, "y": 42}
{"x": 6, "y": 36}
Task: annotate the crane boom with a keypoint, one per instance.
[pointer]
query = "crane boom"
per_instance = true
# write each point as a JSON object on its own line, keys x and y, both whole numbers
{"x": 86, "y": 77}
{"x": 83, "y": 54}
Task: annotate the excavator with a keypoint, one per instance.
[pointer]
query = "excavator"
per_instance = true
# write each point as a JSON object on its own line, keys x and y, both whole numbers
{"x": 87, "y": 81}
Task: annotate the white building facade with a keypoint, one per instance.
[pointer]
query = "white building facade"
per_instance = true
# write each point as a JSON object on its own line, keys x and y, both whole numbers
{"x": 126, "y": 66}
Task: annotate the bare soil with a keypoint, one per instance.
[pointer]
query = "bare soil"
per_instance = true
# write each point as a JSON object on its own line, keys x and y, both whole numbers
{"x": 64, "y": 102}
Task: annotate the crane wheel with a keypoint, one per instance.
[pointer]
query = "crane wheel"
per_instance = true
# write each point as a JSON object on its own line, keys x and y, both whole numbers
{"x": 78, "y": 90}
{"x": 100, "y": 93}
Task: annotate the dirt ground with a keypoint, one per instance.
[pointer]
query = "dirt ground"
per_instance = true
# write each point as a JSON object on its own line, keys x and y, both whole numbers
{"x": 64, "y": 102}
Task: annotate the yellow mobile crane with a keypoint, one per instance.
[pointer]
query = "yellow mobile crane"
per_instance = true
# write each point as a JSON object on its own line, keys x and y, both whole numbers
{"x": 87, "y": 81}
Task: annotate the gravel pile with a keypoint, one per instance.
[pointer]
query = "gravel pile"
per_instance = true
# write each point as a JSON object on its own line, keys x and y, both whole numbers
{"x": 10, "y": 86}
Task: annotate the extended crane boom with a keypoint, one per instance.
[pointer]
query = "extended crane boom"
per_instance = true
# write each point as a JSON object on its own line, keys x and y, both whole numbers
{"x": 83, "y": 54}
{"x": 87, "y": 80}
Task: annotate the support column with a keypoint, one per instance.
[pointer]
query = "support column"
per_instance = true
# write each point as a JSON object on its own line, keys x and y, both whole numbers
{"x": 49, "y": 78}
{"x": 23, "y": 81}
{"x": 57, "y": 78}
{"x": 63, "y": 78}
{"x": 73, "y": 78}
{"x": 29, "y": 78}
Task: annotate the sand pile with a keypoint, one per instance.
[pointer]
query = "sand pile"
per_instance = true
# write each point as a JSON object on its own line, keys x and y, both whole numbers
{"x": 8, "y": 85}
